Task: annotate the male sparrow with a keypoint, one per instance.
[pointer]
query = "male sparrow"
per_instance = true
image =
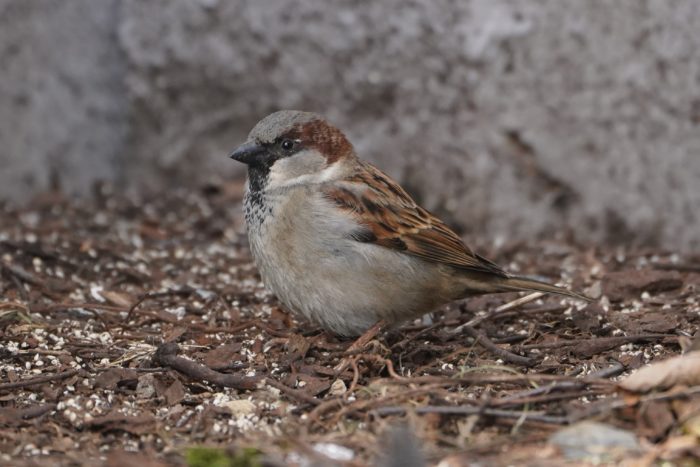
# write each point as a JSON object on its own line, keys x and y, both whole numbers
{"x": 341, "y": 243}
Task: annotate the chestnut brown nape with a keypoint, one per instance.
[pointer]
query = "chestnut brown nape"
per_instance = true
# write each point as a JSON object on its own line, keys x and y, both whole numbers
{"x": 311, "y": 129}
{"x": 325, "y": 138}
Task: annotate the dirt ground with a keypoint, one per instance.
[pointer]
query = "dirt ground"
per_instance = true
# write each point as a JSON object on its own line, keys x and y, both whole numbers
{"x": 139, "y": 332}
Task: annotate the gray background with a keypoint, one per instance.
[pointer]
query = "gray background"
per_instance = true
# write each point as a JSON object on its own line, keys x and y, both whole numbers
{"x": 514, "y": 119}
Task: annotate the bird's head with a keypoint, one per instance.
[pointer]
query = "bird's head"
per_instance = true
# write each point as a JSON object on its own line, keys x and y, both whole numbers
{"x": 293, "y": 147}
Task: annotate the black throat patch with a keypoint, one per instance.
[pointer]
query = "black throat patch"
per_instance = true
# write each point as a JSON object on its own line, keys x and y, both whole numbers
{"x": 254, "y": 202}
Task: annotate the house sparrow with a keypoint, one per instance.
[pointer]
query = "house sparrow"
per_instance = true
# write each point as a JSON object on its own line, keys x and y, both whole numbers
{"x": 341, "y": 243}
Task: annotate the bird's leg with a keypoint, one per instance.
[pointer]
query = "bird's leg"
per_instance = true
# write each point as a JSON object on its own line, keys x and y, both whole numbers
{"x": 366, "y": 337}
{"x": 360, "y": 344}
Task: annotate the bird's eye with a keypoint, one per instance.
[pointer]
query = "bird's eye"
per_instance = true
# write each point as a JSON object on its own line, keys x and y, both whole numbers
{"x": 287, "y": 144}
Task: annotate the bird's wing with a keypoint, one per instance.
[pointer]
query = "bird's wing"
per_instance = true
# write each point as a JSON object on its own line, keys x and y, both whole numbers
{"x": 390, "y": 218}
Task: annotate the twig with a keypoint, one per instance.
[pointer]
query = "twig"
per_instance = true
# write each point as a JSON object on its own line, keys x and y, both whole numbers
{"x": 38, "y": 380}
{"x": 360, "y": 344}
{"x": 682, "y": 267}
{"x": 420, "y": 333}
{"x": 471, "y": 410}
{"x": 36, "y": 411}
{"x": 295, "y": 393}
{"x": 371, "y": 404}
{"x": 365, "y": 338}
{"x": 27, "y": 412}
{"x": 576, "y": 384}
{"x": 18, "y": 276}
{"x": 544, "y": 398}
{"x": 56, "y": 307}
{"x": 390, "y": 369}
{"x": 166, "y": 355}
{"x": 38, "y": 351}
{"x": 19, "y": 286}
{"x": 325, "y": 406}
{"x": 488, "y": 378}
{"x": 519, "y": 301}
{"x": 383, "y": 361}
{"x": 601, "y": 341}
{"x": 609, "y": 405}
{"x": 613, "y": 370}
{"x": 504, "y": 354}
{"x": 355, "y": 379}
{"x": 561, "y": 385}
{"x": 150, "y": 295}
{"x": 506, "y": 310}
{"x": 33, "y": 249}
{"x": 21, "y": 273}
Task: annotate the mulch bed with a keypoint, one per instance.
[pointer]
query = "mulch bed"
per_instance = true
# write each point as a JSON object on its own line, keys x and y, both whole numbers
{"x": 138, "y": 331}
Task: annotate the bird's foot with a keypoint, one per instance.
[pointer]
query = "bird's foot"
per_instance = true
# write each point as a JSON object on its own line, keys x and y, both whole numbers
{"x": 359, "y": 344}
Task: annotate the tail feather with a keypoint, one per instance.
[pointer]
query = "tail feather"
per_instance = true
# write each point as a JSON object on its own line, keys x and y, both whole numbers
{"x": 532, "y": 285}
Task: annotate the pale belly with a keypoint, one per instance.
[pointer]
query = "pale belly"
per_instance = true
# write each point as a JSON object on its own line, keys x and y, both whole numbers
{"x": 345, "y": 286}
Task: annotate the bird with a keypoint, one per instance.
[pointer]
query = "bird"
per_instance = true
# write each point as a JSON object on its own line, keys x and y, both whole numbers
{"x": 343, "y": 245}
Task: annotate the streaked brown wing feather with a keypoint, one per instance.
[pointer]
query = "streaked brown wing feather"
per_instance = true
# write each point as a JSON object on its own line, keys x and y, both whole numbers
{"x": 393, "y": 220}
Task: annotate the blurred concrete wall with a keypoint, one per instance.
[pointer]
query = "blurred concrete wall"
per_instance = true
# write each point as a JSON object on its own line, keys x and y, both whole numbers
{"x": 64, "y": 110}
{"x": 514, "y": 119}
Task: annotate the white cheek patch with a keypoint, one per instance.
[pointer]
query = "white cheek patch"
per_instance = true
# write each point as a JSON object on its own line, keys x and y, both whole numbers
{"x": 329, "y": 173}
{"x": 303, "y": 167}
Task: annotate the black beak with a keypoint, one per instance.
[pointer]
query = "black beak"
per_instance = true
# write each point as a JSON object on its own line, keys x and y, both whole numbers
{"x": 248, "y": 153}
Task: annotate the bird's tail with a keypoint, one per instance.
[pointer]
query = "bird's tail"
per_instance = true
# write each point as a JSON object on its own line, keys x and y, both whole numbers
{"x": 517, "y": 283}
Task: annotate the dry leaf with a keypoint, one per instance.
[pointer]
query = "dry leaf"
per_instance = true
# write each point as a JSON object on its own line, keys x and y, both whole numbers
{"x": 174, "y": 334}
{"x": 223, "y": 355}
{"x": 115, "y": 421}
{"x": 655, "y": 419}
{"x": 298, "y": 345}
{"x": 111, "y": 378}
{"x": 175, "y": 393}
{"x": 337, "y": 388}
{"x": 240, "y": 407}
{"x": 117, "y": 298}
{"x": 120, "y": 458}
{"x": 683, "y": 369}
{"x": 692, "y": 426}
